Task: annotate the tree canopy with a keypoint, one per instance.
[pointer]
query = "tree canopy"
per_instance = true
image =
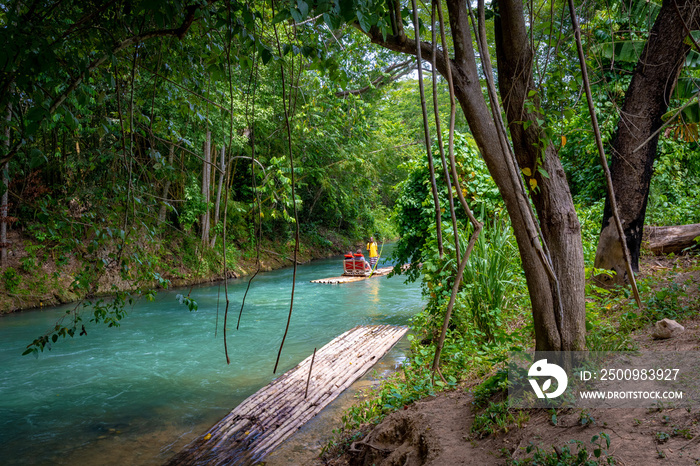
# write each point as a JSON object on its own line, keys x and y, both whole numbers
{"x": 243, "y": 120}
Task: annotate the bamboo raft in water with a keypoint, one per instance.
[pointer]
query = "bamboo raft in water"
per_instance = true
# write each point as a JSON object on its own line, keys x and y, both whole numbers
{"x": 265, "y": 419}
{"x": 353, "y": 278}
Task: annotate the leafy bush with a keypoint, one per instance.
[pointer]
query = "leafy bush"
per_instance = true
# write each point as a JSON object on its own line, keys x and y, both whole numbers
{"x": 489, "y": 279}
{"x": 662, "y": 303}
{"x": 590, "y": 218}
{"x": 497, "y": 417}
{"x": 488, "y": 285}
{"x": 673, "y": 197}
{"x": 12, "y": 279}
{"x": 567, "y": 457}
{"x": 194, "y": 204}
{"x": 601, "y": 332}
{"x": 414, "y": 211}
{"x": 497, "y": 383}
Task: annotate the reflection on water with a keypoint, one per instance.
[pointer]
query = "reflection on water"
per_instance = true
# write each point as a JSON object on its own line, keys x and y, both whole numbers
{"x": 138, "y": 393}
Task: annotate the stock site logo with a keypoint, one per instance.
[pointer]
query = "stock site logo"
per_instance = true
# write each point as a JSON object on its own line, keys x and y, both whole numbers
{"x": 543, "y": 369}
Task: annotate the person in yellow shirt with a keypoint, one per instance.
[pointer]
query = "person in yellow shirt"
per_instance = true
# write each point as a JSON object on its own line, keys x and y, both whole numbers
{"x": 372, "y": 249}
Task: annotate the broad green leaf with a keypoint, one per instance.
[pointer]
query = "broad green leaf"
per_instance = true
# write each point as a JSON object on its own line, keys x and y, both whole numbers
{"x": 266, "y": 56}
{"x": 627, "y": 51}
{"x": 303, "y": 9}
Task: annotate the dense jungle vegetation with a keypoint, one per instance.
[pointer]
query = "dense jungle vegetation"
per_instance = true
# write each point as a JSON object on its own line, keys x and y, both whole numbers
{"x": 147, "y": 140}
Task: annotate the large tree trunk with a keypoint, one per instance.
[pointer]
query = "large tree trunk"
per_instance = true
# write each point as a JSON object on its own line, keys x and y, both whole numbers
{"x": 646, "y": 101}
{"x": 553, "y": 202}
{"x": 560, "y": 226}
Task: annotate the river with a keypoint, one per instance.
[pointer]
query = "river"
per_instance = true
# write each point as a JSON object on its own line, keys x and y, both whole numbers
{"x": 137, "y": 393}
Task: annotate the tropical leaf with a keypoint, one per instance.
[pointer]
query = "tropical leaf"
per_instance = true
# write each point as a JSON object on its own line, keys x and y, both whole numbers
{"x": 692, "y": 60}
{"x": 643, "y": 10}
{"x": 627, "y": 51}
{"x": 686, "y": 88}
{"x": 690, "y": 114}
{"x": 684, "y": 126}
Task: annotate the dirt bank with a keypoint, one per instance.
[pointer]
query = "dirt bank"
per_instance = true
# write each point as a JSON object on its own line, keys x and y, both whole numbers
{"x": 437, "y": 430}
{"x": 37, "y": 277}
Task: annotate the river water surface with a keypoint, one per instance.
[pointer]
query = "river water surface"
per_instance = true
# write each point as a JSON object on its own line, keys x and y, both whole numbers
{"x": 138, "y": 393}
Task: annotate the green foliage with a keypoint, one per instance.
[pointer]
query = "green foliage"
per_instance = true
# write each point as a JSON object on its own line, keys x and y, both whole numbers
{"x": 11, "y": 279}
{"x": 681, "y": 432}
{"x": 674, "y": 198}
{"x": 602, "y": 332}
{"x": 413, "y": 383}
{"x": 614, "y": 37}
{"x": 585, "y": 419}
{"x": 194, "y": 206}
{"x": 590, "y": 217}
{"x": 664, "y": 302}
{"x": 497, "y": 383}
{"x": 566, "y": 456}
{"x": 415, "y": 211}
{"x": 491, "y": 278}
{"x": 461, "y": 356}
{"x": 190, "y": 303}
{"x": 88, "y": 173}
{"x": 496, "y": 418}
{"x": 489, "y": 281}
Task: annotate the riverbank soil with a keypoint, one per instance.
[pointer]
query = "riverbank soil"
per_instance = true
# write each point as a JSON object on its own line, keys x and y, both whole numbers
{"x": 437, "y": 430}
{"x": 37, "y": 276}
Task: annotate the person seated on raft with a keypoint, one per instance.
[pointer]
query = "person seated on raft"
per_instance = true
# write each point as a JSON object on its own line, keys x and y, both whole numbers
{"x": 359, "y": 256}
{"x": 349, "y": 256}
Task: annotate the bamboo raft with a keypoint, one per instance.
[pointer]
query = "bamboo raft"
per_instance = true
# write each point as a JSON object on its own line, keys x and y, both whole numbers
{"x": 265, "y": 419}
{"x": 353, "y": 278}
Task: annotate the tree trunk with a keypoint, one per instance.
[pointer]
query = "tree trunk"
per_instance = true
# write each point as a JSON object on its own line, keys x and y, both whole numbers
{"x": 5, "y": 198}
{"x": 665, "y": 240}
{"x": 206, "y": 180}
{"x": 558, "y": 220}
{"x": 222, "y": 167}
{"x": 552, "y": 198}
{"x": 646, "y": 101}
{"x": 166, "y": 187}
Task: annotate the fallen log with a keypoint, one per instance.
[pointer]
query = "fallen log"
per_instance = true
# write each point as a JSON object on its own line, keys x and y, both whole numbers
{"x": 668, "y": 239}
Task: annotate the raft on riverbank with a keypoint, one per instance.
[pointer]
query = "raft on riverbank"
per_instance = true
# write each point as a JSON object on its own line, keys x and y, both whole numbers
{"x": 265, "y": 419}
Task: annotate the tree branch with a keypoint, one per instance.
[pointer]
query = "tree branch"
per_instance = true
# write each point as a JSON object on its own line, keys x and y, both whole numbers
{"x": 389, "y": 75}
{"x": 402, "y": 44}
{"x": 395, "y": 147}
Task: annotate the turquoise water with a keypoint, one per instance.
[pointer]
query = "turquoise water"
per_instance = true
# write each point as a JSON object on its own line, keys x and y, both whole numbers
{"x": 137, "y": 393}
